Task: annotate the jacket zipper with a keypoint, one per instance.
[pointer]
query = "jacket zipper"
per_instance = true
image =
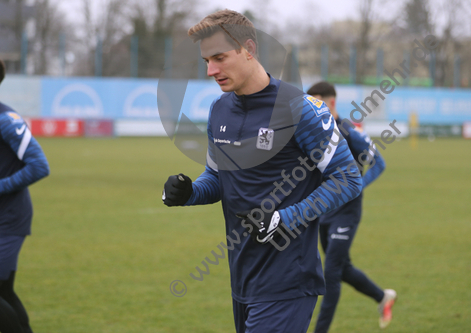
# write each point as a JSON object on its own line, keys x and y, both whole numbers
{"x": 244, "y": 108}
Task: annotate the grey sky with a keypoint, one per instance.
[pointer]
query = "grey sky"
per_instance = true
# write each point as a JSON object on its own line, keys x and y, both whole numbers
{"x": 293, "y": 9}
{"x": 280, "y": 12}
{"x": 283, "y": 9}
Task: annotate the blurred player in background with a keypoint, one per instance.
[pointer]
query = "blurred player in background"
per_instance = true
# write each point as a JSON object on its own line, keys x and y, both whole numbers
{"x": 22, "y": 163}
{"x": 337, "y": 228}
{"x": 273, "y": 290}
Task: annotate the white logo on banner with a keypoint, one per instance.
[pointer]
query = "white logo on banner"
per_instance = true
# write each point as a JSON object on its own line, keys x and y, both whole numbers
{"x": 131, "y": 110}
{"x": 49, "y": 127}
{"x": 72, "y": 126}
{"x": 77, "y": 110}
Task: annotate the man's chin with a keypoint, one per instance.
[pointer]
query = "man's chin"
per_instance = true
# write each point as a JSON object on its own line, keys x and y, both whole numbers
{"x": 226, "y": 88}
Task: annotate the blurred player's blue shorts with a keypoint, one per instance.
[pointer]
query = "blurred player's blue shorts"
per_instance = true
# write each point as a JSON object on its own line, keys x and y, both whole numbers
{"x": 292, "y": 315}
{"x": 9, "y": 250}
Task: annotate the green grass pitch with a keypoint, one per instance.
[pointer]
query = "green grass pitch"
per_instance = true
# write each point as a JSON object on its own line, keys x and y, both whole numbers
{"x": 104, "y": 248}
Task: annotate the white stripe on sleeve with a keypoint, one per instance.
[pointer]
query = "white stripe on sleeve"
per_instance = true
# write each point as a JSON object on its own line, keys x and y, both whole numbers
{"x": 24, "y": 143}
{"x": 328, "y": 156}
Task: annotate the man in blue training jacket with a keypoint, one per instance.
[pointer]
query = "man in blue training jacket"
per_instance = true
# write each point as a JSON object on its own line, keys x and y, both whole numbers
{"x": 22, "y": 163}
{"x": 277, "y": 161}
{"x": 337, "y": 228}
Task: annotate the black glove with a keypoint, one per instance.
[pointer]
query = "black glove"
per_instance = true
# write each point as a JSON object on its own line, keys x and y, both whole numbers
{"x": 261, "y": 230}
{"x": 177, "y": 190}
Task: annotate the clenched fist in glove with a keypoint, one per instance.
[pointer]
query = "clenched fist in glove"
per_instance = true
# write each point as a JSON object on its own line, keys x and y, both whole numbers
{"x": 177, "y": 190}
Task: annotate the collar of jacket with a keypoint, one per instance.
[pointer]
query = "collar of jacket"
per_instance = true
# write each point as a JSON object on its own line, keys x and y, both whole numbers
{"x": 242, "y": 100}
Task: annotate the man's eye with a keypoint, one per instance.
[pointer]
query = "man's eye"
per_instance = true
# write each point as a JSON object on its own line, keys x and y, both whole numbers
{"x": 219, "y": 58}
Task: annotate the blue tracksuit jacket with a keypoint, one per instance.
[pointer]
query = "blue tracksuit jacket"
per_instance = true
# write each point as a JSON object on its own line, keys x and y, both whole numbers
{"x": 276, "y": 149}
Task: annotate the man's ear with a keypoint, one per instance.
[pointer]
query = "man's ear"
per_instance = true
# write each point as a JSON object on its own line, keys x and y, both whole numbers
{"x": 333, "y": 102}
{"x": 251, "y": 48}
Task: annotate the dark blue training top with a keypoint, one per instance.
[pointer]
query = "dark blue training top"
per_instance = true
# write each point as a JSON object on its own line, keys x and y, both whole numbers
{"x": 22, "y": 162}
{"x": 365, "y": 153}
{"x": 275, "y": 149}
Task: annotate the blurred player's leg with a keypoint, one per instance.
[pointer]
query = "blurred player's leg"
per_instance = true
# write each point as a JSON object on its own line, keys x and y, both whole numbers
{"x": 9, "y": 296}
{"x": 10, "y": 247}
{"x": 9, "y": 322}
{"x": 363, "y": 284}
{"x": 337, "y": 242}
{"x": 358, "y": 280}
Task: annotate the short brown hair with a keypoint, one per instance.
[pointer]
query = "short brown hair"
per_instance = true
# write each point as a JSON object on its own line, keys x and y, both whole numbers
{"x": 237, "y": 27}
{"x": 2, "y": 70}
{"x": 323, "y": 89}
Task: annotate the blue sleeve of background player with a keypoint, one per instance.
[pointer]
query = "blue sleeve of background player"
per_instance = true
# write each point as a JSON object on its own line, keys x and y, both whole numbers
{"x": 374, "y": 171}
{"x": 206, "y": 188}
{"x": 318, "y": 137}
{"x": 361, "y": 143}
{"x": 16, "y": 134}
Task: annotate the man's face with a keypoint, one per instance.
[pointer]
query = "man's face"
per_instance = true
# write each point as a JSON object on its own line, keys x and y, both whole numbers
{"x": 229, "y": 67}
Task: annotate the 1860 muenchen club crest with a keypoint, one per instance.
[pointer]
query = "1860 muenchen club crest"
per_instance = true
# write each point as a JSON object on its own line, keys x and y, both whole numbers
{"x": 265, "y": 138}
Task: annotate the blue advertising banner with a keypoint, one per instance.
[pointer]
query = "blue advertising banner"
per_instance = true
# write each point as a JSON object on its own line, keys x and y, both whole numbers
{"x": 137, "y": 99}
{"x": 99, "y": 98}
{"x": 119, "y": 98}
{"x": 198, "y": 99}
{"x": 22, "y": 93}
{"x": 432, "y": 105}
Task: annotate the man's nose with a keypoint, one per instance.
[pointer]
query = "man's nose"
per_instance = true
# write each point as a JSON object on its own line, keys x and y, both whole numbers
{"x": 213, "y": 69}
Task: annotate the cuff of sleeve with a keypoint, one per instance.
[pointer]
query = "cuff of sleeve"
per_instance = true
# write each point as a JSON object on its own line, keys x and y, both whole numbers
{"x": 191, "y": 200}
